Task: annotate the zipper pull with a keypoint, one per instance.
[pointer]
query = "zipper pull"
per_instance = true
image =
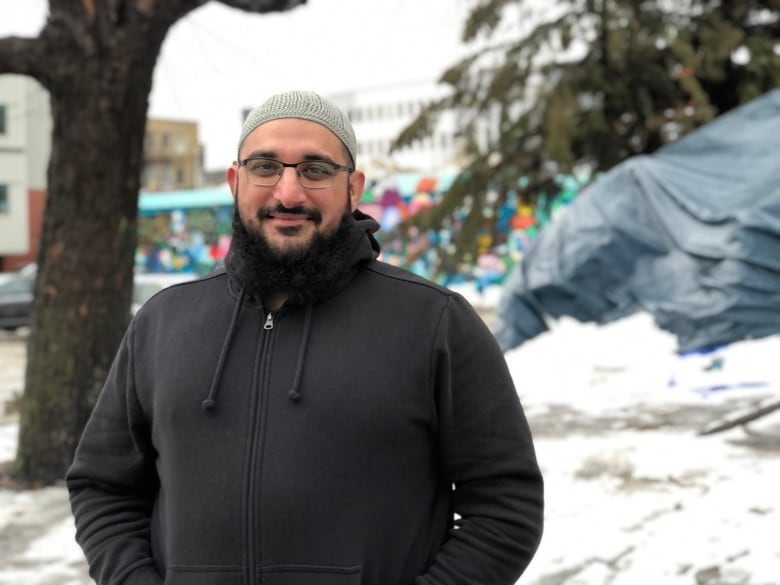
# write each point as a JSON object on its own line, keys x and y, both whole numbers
{"x": 269, "y": 322}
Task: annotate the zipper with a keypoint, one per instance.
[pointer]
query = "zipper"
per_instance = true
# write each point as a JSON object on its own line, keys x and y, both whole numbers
{"x": 254, "y": 463}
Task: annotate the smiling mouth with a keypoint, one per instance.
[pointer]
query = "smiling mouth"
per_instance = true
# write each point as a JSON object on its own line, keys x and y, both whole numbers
{"x": 297, "y": 215}
{"x": 290, "y": 217}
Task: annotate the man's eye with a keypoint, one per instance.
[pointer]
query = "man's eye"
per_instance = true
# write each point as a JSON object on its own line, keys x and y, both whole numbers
{"x": 263, "y": 166}
{"x": 317, "y": 170}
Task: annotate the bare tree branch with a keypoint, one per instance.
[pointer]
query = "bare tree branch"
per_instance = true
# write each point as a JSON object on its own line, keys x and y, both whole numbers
{"x": 263, "y": 5}
{"x": 741, "y": 418}
{"x": 25, "y": 56}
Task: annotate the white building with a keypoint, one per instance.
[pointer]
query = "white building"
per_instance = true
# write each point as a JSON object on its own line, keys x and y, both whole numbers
{"x": 379, "y": 114}
{"x": 25, "y": 144}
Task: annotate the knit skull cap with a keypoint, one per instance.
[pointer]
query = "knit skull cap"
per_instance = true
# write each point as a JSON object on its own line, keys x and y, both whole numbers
{"x": 306, "y": 105}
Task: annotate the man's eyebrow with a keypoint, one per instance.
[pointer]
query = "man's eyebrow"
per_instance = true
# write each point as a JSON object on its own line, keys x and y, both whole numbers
{"x": 261, "y": 154}
{"x": 275, "y": 155}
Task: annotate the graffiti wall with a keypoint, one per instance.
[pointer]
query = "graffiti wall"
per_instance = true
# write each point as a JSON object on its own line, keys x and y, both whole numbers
{"x": 183, "y": 231}
{"x": 391, "y": 201}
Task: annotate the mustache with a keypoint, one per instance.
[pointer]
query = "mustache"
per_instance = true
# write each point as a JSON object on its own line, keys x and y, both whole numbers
{"x": 312, "y": 214}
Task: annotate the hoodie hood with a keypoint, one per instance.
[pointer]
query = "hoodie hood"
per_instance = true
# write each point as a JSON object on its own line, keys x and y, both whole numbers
{"x": 364, "y": 229}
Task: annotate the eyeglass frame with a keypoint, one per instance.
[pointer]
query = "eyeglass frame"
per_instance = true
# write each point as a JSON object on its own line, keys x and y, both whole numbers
{"x": 336, "y": 168}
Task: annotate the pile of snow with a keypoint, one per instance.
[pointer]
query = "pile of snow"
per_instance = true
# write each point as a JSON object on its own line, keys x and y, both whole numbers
{"x": 635, "y": 494}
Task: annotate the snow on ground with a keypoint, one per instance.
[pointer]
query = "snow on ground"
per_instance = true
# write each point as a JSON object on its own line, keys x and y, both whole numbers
{"x": 635, "y": 495}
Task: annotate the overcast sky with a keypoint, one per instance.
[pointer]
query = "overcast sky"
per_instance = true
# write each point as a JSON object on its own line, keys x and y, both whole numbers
{"x": 218, "y": 61}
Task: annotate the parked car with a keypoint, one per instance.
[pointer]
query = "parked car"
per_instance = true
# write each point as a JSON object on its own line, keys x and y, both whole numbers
{"x": 14, "y": 274}
{"x": 147, "y": 284}
{"x": 16, "y": 294}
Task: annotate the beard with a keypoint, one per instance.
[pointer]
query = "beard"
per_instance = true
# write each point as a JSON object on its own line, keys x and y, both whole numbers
{"x": 305, "y": 274}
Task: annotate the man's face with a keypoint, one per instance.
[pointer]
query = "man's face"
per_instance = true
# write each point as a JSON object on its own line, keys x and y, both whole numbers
{"x": 288, "y": 215}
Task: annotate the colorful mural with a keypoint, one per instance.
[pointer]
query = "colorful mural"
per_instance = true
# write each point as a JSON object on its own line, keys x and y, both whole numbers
{"x": 395, "y": 199}
{"x": 183, "y": 231}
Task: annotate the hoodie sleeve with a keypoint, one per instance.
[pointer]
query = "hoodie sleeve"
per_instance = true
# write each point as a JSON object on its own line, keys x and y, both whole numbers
{"x": 487, "y": 454}
{"x": 112, "y": 482}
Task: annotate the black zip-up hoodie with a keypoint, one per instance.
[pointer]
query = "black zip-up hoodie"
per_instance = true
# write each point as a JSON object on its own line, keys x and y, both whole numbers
{"x": 370, "y": 438}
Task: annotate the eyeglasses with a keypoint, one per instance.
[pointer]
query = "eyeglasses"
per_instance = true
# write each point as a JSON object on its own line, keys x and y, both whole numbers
{"x": 312, "y": 174}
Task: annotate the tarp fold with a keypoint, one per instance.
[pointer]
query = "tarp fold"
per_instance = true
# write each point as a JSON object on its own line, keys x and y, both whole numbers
{"x": 690, "y": 234}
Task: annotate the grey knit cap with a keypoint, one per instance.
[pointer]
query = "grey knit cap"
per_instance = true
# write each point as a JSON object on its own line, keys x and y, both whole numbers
{"x": 306, "y": 105}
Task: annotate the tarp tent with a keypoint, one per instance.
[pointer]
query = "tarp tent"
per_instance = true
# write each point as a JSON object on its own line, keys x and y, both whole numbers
{"x": 690, "y": 234}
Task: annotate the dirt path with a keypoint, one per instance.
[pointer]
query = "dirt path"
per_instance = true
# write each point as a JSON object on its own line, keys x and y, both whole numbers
{"x": 12, "y": 359}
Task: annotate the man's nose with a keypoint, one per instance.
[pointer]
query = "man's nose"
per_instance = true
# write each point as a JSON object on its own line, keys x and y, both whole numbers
{"x": 289, "y": 191}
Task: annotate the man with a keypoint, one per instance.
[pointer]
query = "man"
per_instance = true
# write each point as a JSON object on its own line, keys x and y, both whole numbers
{"x": 310, "y": 415}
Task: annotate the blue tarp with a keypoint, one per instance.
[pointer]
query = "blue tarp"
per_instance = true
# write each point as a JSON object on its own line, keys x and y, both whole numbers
{"x": 690, "y": 234}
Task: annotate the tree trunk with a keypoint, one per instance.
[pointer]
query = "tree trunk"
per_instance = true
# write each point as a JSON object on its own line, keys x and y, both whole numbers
{"x": 85, "y": 264}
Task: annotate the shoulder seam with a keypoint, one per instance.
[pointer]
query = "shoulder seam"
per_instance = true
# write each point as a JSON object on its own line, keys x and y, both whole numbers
{"x": 412, "y": 279}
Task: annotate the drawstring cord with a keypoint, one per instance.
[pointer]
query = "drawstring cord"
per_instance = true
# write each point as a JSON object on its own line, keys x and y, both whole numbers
{"x": 210, "y": 403}
{"x": 211, "y": 400}
{"x": 294, "y": 394}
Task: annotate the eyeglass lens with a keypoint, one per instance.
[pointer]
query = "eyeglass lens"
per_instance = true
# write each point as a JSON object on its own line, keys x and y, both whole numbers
{"x": 312, "y": 174}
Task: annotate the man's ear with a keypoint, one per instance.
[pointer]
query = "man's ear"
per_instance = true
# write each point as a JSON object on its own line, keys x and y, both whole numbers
{"x": 356, "y": 182}
{"x": 231, "y": 176}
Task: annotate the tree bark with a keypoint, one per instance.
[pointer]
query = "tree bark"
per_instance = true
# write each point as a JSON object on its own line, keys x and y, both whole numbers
{"x": 99, "y": 99}
{"x": 96, "y": 58}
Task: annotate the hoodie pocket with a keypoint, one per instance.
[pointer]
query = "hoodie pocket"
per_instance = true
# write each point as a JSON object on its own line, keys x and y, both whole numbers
{"x": 204, "y": 575}
{"x": 311, "y": 575}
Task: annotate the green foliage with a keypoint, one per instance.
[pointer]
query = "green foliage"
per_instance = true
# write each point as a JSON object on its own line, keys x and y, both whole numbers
{"x": 582, "y": 90}
{"x": 153, "y": 229}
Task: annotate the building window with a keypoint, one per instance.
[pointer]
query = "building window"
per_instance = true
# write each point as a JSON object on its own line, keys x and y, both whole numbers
{"x": 2, "y": 119}
{"x": 180, "y": 144}
{"x": 5, "y": 207}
